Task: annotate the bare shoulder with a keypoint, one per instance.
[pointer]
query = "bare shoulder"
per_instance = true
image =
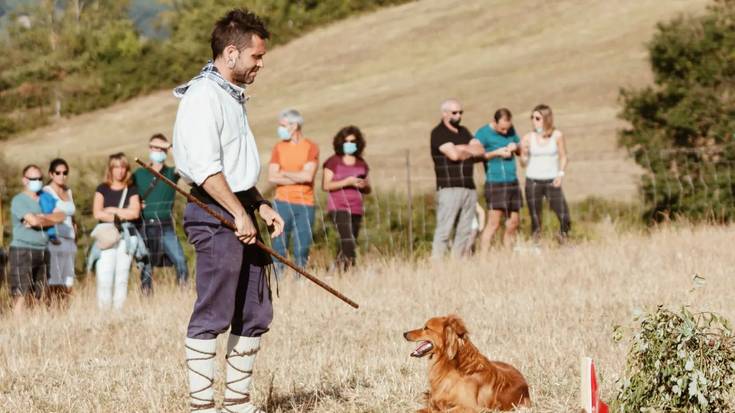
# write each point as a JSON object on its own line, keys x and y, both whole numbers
{"x": 558, "y": 134}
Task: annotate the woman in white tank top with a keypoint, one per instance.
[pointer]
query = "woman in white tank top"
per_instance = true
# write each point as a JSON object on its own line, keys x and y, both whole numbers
{"x": 543, "y": 153}
{"x": 63, "y": 253}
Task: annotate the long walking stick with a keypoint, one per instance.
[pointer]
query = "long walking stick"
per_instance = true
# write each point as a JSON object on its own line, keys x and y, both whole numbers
{"x": 260, "y": 245}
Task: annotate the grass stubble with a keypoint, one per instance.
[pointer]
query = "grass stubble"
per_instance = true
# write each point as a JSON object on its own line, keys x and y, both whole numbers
{"x": 540, "y": 312}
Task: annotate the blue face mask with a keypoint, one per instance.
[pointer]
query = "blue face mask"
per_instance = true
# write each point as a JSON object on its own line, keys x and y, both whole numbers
{"x": 157, "y": 157}
{"x": 34, "y": 186}
{"x": 539, "y": 130}
{"x": 349, "y": 148}
{"x": 283, "y": 133}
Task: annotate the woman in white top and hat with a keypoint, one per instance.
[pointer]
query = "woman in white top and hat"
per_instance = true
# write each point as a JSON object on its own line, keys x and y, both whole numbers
{"x": 544, "y": 154}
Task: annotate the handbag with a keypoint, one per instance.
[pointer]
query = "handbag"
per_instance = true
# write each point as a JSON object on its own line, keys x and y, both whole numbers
{"x": 105, "y": 234}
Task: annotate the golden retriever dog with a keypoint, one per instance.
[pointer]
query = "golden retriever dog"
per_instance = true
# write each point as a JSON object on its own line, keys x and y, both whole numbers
{"x": 460, "y": 378}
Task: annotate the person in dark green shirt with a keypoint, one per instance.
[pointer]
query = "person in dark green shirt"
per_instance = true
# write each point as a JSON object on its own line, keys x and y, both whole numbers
{"x": 157, "y": 224}
{"x": 502, "y": 192}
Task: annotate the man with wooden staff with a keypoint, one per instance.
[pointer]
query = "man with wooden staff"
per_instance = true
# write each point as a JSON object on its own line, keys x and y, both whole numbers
{"x": 215, "y": 151}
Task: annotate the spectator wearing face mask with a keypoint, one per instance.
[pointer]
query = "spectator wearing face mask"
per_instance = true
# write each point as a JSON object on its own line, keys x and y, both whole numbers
{"x": 454, "y": 151}
{"x": 292, "y": 169}
{"x": 502, "y": 192}
{"x": 157, "y": 227}
{"x": 346, "y": 180}
{"x": 28, "y": 271}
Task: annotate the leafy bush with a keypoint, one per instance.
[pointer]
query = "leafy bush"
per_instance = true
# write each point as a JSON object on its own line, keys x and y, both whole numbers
{"x": 79, "y": 60}
{"x": 682, "y": 128}
{"x": 679, "y": 362}
{"x": 7, "y": 127}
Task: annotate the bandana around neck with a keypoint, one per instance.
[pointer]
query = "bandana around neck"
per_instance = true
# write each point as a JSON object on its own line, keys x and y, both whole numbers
{"x": 210, "y": 72}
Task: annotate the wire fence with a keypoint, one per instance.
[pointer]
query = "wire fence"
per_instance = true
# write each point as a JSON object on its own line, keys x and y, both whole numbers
{"x": 400, "y": 212}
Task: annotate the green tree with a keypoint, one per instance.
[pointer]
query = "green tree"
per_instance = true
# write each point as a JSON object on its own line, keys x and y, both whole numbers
{"x": 681, "y": 128}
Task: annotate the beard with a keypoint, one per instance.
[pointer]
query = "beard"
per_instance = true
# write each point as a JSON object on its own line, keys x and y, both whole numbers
{"x": 245, "y": 77}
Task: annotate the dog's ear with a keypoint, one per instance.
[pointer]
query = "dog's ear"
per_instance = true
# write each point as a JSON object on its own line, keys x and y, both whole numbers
{"x": 454, "y": 333}
{"x": 450, "y": 341}
{"x": 457, "y": 325}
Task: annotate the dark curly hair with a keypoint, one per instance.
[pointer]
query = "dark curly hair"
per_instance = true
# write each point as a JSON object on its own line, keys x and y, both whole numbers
{"x": 339, "y": 140}
{"x": 237, "y": 28}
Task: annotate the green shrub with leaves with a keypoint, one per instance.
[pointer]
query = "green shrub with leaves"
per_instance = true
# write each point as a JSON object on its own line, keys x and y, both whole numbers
{"x": 681, "y": 129}
{"x": 679, "y": 362}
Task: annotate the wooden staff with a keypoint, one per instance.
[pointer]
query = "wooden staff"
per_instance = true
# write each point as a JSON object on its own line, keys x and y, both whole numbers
{"x": 227, "y": 223}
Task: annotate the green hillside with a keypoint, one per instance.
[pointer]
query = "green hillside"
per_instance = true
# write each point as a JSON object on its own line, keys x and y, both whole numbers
{"x": 66, "y": 57}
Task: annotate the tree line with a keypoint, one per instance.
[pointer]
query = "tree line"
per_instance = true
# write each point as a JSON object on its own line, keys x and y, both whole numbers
{"x": 65, "y": 57}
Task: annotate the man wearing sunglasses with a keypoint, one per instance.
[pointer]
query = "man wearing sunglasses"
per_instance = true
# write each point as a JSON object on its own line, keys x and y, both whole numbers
{"x": 454, "y": 151}
{"x": 157, "y": 224}
{"x": 28, "y": 255}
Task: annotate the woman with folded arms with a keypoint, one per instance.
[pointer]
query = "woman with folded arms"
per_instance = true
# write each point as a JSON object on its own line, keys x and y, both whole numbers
{"x": 113, "y": 266}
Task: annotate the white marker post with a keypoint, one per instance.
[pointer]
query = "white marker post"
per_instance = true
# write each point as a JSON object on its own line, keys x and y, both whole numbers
{"x": 589, "y": 390}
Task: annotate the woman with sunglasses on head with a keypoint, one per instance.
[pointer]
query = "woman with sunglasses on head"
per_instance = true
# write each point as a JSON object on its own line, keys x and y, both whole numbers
{"x": 543, "y": 152}
{"x": 116, "y": 201}
{"x": 62, "y": 252}
{"x": 346, "y": 180}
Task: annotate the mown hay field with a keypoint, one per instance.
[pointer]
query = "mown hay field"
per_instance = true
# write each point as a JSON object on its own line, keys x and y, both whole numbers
{"x": 539, "y": 311}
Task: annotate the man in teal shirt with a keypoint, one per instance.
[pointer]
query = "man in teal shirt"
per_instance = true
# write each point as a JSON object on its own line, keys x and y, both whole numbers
{"x": 28, "y": 257}
{"x": 157, "y": 224}
{"x": 502, "y": 192}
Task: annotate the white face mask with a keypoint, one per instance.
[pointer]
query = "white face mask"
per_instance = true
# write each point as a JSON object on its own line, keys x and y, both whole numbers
{"x": 34, "y": 186}
{"x": 539, "y": 130}
{"x": 157, "y": 157}
{"x": 283, "y": 133}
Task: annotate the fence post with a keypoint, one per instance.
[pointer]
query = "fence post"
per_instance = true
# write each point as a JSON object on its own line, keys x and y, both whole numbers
{"x": 410, "y": 203}
{"x": 2, "y": 224}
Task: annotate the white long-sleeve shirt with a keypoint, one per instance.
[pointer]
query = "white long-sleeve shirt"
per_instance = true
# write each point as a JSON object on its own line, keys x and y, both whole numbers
{"x": 211, "y": 135}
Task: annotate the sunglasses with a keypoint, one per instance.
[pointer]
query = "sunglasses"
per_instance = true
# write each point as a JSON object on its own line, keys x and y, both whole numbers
{"x": 65, "y": 173}
{"x": 457, "y": 112}
{"x": 33, "y": 179}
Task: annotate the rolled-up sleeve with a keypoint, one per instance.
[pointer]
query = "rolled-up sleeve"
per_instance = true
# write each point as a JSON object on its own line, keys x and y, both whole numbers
{"x": 199, "y": 122}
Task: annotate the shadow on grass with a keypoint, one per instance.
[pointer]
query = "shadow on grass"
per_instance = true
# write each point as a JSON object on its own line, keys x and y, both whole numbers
{"x": 303, "y": 400}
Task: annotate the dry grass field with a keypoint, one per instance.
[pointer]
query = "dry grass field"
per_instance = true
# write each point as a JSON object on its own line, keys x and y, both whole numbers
{"x": 387, "y": 72}
{"x": 539, "y": 312}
